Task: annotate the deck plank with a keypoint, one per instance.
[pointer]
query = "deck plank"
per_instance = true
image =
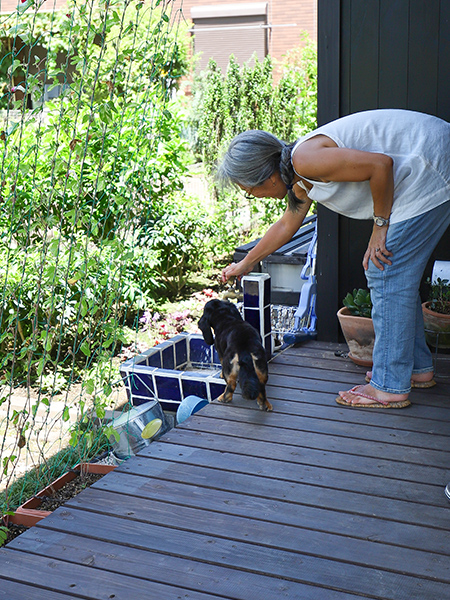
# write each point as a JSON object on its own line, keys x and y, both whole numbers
{"x": 321, "y": 441}
{"x": 364, "y": 425}
{"x": 268, "y": 560}
{"x": 378, "y": 467}
{"x": 254, "y": 529}
{"x": 289, "y": 472}
{"x": 338, "y": 519}
{"x": 294, "y": 384}
{"x": 13, "y": 590}
{"x": 87, "y": 581}
{"x": 313, "y": 501}
{"x": 152, "y": 566}
{"x": 434, "y": 514}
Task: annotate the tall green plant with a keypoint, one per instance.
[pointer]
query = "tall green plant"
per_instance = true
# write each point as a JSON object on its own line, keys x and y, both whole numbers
{"x": 144, "y": 40}
{"x": 295, "y": 99}
{"x": 81, "y": 177}
{"x": 232, "y": 94}
{"x": 248, "y": 97}
{"x": 209, "y": 122}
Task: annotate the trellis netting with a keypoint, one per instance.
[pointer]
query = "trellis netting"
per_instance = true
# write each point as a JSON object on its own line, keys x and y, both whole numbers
{"x": 89, "y": 155}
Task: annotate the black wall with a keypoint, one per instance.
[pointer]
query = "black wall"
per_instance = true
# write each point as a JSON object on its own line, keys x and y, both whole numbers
{"x": 374, "y": 54}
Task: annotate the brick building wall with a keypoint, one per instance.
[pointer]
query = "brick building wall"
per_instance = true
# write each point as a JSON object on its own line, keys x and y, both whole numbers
{"x": 301, "y": 13}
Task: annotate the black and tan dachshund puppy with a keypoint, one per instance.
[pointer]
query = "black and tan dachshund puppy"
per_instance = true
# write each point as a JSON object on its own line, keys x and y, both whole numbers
{"x": 240, "y": 351}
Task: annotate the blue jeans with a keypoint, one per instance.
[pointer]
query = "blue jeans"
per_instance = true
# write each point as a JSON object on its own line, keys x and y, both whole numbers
{"x": 400, "y": 347}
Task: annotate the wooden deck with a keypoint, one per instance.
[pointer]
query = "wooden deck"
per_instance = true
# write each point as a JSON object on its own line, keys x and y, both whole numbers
{"x": 311, "y": 502}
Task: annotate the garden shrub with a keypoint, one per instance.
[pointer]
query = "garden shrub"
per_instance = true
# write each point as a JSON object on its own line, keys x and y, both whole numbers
{"x": 177, "y": 236}
{"x": 246, "y": 97}
{"x": 63, "y": 299}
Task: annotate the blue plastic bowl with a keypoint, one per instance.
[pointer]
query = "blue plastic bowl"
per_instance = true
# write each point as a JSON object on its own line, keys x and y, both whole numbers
{"x": 189, "y": 406}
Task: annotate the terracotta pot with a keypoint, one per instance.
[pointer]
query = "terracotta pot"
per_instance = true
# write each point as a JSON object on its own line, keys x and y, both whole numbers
{"x": 28, "y": 513}
{"x": 437, "y": 327}
{"x": 359, "y": 335}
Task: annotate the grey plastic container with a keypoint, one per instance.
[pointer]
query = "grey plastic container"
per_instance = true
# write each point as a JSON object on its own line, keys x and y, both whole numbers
{"x": 131, "y": 424}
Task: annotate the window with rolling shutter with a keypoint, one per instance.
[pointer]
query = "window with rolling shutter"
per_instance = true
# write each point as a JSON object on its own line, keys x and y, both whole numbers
{"x": 222, "y": 30}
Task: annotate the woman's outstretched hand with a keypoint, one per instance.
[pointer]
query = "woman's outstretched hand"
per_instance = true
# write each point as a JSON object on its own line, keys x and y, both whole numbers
{"x": 376, "y": 250}
{"x": 235, "y": 270}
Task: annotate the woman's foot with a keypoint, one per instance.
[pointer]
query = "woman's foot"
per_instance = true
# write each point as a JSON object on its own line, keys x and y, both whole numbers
{"x": 418, "y": 380}
{"x": 366, "y": 396}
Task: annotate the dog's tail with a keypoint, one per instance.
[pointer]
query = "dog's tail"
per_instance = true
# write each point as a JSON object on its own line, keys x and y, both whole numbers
{"x": 248, "y": 379}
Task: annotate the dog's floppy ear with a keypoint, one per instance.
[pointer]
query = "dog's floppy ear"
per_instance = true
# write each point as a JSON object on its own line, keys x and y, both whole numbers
{"x": 205, "y": 327}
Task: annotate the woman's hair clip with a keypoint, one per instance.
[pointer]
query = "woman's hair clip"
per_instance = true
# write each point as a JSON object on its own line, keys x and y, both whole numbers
{"x": 289, "y": 186}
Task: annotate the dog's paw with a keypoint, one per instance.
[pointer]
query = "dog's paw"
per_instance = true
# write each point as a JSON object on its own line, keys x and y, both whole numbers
{"x": 266, "y": 406}
{"x": 224, "y": 399}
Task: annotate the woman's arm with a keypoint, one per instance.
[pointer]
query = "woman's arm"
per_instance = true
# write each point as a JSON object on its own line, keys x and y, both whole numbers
{"x": 276, "y": 236}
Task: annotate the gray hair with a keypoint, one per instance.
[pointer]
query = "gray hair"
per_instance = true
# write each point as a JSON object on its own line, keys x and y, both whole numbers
{"x": 252, "y": 157}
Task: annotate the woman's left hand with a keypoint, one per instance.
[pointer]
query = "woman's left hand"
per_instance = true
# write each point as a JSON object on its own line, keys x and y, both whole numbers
{"x": 376, "y": 250}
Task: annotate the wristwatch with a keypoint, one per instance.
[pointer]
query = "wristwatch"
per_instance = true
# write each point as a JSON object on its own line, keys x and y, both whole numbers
{"x": 380, "y": 221}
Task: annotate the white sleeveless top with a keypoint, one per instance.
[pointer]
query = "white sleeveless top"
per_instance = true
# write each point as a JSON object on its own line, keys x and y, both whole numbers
{"x": 419, "y": 145}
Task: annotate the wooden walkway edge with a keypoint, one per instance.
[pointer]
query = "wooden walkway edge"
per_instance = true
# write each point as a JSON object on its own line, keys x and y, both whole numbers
{"x": 314, "y": 501}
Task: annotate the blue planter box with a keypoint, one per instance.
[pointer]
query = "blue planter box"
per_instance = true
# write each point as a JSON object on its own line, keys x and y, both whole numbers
{"x": 171, "y": 371}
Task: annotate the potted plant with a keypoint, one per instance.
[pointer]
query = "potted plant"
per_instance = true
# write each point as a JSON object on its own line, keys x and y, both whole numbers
{"x": 436, "y": 315}
{"x": 356, "y": 324}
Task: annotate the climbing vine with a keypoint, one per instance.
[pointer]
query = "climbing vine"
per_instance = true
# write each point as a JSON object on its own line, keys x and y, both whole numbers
{"x": 91, "y": 160}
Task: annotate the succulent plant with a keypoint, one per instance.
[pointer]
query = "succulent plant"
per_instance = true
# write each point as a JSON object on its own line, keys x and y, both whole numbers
{"x": 359, "y": 303}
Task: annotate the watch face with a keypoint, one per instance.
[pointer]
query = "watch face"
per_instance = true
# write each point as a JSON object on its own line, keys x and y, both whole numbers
{"x": 380, "y": 221}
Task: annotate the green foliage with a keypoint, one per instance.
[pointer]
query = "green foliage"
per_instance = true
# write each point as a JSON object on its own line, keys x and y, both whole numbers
{"x": 3, "y": 534}
{"x": 359, "y": 303}
{"x": 84, "y": 180}
{"x": 125, "y": 45}
{"x": 297, "y": 92}
{"x": 177, "y": 237}
{"x": 247, "y": 98}
{"x": 43, "y": 474}
{"x": 440, "y": 296}
{"x": 63, "y": 298}
{"x": 90, "y": 433}
{"x": 208, "y": 123}
{"x": 93, "y": 169}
